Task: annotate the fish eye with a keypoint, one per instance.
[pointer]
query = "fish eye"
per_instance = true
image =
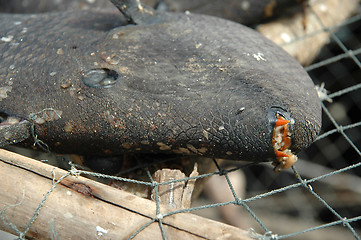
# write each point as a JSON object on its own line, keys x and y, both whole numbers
{"x": 100, "y": 78}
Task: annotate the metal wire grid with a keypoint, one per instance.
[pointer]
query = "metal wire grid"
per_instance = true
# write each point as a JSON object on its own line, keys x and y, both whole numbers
{"x": 337, "y": 148}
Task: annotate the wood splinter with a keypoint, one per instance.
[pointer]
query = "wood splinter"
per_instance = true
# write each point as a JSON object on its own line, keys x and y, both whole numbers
{"x": 176, "y": 195}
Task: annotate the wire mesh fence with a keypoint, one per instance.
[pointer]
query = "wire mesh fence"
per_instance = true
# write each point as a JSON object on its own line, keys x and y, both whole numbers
{"x": 319, "y": 198}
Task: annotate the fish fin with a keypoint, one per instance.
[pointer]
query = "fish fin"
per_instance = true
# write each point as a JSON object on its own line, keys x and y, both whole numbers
{"x": 138, "y": 13}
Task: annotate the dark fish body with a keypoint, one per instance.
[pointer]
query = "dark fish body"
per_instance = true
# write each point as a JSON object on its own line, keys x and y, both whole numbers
{"x": 245, "y": 12}
{"x": 186, "y": 83}
{"x": 45, "y": 6}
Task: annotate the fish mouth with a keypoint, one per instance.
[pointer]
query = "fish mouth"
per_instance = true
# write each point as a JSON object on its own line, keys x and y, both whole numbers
{"x": 282, "y": 141}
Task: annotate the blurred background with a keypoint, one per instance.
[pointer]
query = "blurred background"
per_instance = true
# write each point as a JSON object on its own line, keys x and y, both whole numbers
{"x": 325, "y": 36}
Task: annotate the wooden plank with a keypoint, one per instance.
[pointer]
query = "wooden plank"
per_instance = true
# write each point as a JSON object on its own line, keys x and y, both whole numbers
{"x": 78, "y": 215}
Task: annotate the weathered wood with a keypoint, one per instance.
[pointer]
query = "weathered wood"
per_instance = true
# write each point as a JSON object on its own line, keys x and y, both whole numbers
{"x": 79, "y": 206}
{"x": 177, "y": 194}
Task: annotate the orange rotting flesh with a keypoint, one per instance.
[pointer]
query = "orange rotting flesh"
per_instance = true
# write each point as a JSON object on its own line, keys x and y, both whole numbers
{"x": 281, "y": 141}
